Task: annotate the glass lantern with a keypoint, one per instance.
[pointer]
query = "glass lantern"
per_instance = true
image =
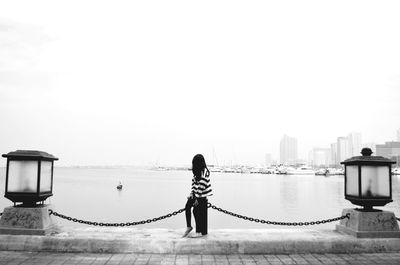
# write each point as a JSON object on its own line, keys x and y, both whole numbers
{"x": 368, "y": 180}
{"x": 29, "y": 176}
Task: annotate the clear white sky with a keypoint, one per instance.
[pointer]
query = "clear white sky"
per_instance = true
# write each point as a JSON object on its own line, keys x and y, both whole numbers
{"x": 141, "y": 82}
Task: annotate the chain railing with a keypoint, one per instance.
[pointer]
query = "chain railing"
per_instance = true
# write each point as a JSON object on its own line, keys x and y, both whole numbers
{"x": 251, "y": 219}
{"x": 51, "y": 212}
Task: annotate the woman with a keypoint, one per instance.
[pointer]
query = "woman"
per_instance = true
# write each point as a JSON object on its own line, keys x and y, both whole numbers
{"x": 201, "y": 189}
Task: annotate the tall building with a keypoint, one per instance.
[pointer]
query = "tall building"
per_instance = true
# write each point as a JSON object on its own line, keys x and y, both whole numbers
{"x": 390, "y": 150}
{"x": 342, "y": 149}
{"x": 334, "y": 156}
{"x": 288, "y": 150}
{"x": 354, "y": 144}
{"x": 346, "y": 147}
{"x": 268, "y": 160}
{"x": 320, "y": 157}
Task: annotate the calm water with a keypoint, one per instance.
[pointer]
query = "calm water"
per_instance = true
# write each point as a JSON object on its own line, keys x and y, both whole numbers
{"x": 91, "y": 194}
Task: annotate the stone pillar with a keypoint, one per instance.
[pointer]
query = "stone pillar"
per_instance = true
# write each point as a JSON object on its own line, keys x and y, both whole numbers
{"x": 373, "y": 224}
{"x": 28, "y": 221}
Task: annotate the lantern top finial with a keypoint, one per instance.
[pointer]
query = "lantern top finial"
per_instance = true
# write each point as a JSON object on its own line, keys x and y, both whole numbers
{"x": 367, "y": 159}
{"x": 366, "y": 151}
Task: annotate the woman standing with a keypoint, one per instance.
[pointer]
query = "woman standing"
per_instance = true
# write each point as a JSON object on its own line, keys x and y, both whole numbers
{"x": 201, "y": 189}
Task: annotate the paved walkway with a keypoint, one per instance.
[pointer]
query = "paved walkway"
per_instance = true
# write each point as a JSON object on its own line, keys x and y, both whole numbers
{"x": 51, "y": 258}
{"x": 217, "y": 242}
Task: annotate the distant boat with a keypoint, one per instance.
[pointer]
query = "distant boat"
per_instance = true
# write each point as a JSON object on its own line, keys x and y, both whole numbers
{"x": 228, "y": 170}
{"x": 213, "y": 168}
{"x": 281, "y": 170}
{"x": 321, "y": 172}
{"x": 329, "y": 172}
{"x": 119, "y": 186}
{"x": 303, "y": 170}
{"x": 335, "y": 171}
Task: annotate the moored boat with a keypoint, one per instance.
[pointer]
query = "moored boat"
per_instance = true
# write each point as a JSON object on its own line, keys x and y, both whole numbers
{"x": 334, "y": 171}
{"x": 303, "y": 170}
{"x": 321, "y": 172}
{"x": 329, "y": 172}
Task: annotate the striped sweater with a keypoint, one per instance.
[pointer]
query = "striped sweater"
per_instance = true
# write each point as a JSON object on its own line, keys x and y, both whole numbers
{"x": 201, "y": 188}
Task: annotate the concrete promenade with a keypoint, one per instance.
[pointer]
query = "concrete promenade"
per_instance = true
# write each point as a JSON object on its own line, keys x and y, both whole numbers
{"x": 217, "y": 242}
{"x": 51, "y": 258}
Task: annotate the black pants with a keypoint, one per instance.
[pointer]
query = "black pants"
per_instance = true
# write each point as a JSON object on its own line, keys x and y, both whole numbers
{"x": 200, "y": 215}
{"x": 188, "y": 207}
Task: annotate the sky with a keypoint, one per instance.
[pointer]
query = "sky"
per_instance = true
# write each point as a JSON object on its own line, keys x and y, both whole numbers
{"x": 156, "y": 82}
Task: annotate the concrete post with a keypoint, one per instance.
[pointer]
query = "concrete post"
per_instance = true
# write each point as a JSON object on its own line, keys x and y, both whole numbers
{"x": 369, "y": 224}
{"x": 28, "y": 221}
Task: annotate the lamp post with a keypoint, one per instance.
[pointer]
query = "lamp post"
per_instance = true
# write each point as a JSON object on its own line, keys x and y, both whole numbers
{"x": 29, "y": 176}
{"x": 368, "y": 183}
{"x": 29, "y": 180}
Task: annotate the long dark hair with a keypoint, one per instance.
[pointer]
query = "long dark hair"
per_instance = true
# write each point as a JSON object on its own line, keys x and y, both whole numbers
{"x": 199, "y": 166}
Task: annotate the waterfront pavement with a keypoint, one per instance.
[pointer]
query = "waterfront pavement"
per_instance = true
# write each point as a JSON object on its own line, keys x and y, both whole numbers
{"x": 51, "y": 258}
{"x": 217, "y": 242}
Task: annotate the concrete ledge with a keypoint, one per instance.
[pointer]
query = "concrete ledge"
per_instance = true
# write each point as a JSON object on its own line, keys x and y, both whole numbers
{"x": 368, "y": 234}
{"x": 26, "y": 231}
{"x": 227, "y": 241}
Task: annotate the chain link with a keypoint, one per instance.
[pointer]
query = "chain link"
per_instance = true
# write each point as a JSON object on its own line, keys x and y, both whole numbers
{"x": 277, "y": 223}
{"x": 51, "y": 212}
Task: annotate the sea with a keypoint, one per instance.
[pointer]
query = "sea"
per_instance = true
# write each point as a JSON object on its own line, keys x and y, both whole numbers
{"x": 91, "y": 194}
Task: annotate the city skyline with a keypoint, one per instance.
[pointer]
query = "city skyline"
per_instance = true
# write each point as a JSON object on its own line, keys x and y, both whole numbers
{"x": 329, "y": 160}
{"x": 140, "y": 83}
{"x": 332, "y": 154}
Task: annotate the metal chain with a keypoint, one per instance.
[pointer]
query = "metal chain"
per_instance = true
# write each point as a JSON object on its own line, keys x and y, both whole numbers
{"x": 277, "y": 223}
{"x": 209, "y": 205}
{"x": 51, "y": 212}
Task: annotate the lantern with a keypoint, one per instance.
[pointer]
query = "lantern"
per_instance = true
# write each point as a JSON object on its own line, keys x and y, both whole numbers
{"x": 368, "y": 180}
{"x": 29, "y": 176}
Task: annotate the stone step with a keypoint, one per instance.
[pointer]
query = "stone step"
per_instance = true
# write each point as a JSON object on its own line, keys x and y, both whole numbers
{"x": 219, "y": 241}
